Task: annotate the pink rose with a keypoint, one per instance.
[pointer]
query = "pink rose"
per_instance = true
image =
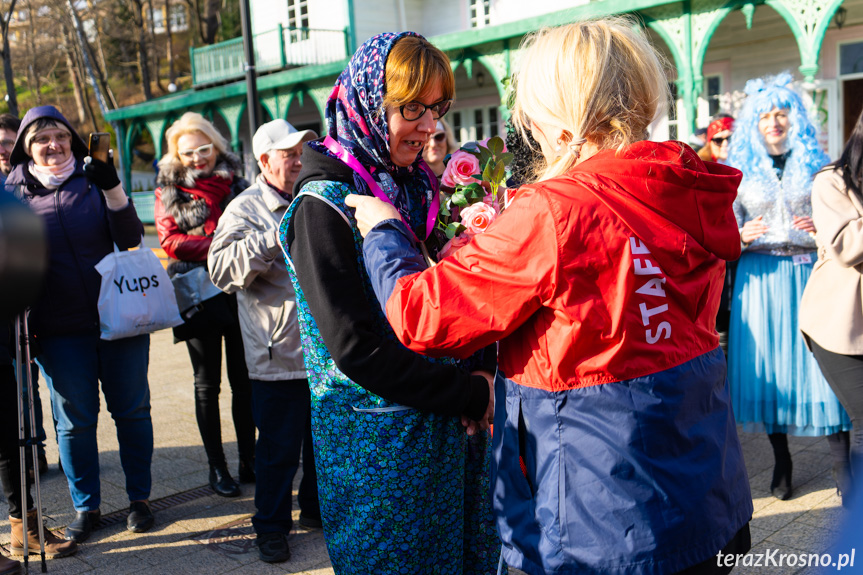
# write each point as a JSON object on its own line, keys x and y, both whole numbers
{"x": 454, "y": 245}
{"x": 460, "y": 169}
{"x": 477, "y": 217}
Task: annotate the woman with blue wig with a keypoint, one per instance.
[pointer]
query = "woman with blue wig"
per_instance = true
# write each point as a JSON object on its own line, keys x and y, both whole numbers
{"x": 403, "y": 488}
{"x": 776, "y": 384}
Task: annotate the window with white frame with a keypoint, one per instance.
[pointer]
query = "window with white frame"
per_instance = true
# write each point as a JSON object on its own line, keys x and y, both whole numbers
{"x": 712, "y": 91}
{"x": 851, "y": 58}
{"x": 298, "y": 13}
{"x": 178, "y": 18}
{"x": 480, "y": 13}
{"x": 470, "y": 124}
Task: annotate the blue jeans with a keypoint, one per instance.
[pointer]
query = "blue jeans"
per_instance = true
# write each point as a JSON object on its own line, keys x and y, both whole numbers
{"x": 282, "y": 412}
{"x": 73, "y": 366}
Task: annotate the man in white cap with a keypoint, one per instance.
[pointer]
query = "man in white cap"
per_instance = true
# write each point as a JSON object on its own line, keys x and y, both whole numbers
{"x": 245, "y": 257}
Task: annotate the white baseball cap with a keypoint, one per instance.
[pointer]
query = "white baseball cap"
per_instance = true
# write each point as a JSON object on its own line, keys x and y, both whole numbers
{"x": 278, "y": 135}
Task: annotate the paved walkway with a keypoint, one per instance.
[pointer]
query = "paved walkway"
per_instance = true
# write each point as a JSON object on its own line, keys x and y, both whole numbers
{"x": 198, "y": 532}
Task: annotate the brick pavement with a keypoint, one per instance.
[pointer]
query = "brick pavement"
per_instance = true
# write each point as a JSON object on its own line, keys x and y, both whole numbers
{"x": 200, "y": 533}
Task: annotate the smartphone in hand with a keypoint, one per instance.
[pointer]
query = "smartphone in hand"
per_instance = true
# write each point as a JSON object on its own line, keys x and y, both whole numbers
{"x": 98, "y": 146}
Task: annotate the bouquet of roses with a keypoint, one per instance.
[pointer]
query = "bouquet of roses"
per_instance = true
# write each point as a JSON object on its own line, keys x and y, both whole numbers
{"x": 472, "y": 192}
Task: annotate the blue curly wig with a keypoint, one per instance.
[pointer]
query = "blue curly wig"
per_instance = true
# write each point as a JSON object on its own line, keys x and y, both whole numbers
{"x": 747, "y": 152}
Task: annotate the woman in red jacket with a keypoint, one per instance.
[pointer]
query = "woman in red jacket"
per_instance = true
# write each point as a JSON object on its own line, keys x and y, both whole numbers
{"x": 197, "y": 179}
{"x": 601, "y": 281}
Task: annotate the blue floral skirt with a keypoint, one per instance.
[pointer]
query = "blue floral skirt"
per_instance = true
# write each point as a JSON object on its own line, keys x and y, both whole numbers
{"x": 776, "y": 384}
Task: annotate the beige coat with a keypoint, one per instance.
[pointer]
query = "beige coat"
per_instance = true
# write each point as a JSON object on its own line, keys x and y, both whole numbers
{"x": 831, "y": 310}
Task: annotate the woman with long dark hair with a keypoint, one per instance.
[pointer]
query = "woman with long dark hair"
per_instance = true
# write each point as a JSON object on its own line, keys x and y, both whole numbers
{"x": 831, "y": 311}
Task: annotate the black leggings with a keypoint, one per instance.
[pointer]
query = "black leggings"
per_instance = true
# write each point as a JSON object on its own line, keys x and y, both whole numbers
{"x": 10, "y": 456}
{"x": 206, "y": 356}
{"x": 844, "y": 373}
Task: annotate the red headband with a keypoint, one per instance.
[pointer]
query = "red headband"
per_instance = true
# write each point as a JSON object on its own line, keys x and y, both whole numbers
{"x": 719, "y": 125}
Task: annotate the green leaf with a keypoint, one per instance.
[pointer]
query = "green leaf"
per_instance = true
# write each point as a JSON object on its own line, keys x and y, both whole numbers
{"x": 495, "y": 145}
{"x": 488, "y": 170}
{"x": 473, "y": 153}
{"x": 484, "y": 156}
{"x": 506, "y": 158}
{"x": 459, "y": 198}
{"x": 444, "y": 211}
{"x": 454, "y": 229}
{"x": 498, "y": 173}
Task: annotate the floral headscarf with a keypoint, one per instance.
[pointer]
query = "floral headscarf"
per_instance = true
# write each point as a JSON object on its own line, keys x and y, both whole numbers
{"x": 356, "y": 118}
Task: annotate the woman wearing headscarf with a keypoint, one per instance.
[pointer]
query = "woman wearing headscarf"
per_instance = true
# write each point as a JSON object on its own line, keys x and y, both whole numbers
{"x": 197, "y": 178}
{"x": 601, "y": 281}
{"x": 831, "y": 310}
{"x": 402, "y": 488}
{"x": 775, "y": 382}
{"x": 86, "y": 212}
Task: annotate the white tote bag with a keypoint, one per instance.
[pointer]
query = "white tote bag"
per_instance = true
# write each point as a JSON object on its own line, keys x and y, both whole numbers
{"x": 136, "y": 296}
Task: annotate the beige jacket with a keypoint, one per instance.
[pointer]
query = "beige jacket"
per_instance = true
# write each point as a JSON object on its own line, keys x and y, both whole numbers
{"x": 245, "y": 258}
{"x": 831, "y": 310}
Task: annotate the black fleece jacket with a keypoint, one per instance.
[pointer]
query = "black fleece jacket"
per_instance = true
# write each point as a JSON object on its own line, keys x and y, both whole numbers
{"x": 324, "y": 256}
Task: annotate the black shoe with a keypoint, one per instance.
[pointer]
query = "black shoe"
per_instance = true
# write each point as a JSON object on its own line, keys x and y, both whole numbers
{"x": 310, "y": 522}
{"x": 140, "y": 517}
{"x": 222, "y": 482}
{"x": 79, "y": 530}
{"x": 246, "y": 472}
{"x": 273, "y": 547}
{"x": 780, "y": 486}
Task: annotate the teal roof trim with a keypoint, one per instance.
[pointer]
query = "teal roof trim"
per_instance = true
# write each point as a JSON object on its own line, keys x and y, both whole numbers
{"x": 188, "y": 98}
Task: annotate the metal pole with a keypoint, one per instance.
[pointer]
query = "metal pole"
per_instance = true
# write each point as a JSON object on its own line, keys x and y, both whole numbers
{"x": 252, "y": 104}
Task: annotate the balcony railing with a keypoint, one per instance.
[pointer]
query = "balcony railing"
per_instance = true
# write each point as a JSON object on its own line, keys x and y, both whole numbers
{"x": 274, "y": 50}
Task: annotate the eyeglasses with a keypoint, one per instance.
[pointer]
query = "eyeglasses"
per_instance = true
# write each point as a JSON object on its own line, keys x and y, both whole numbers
{"x": 45, "y": 139}
{"x": 413, "y": 111}
{"x": 7, "y": 143}
{"x": 204, "y": 151}
{"x": 440, "y": 137}
{"x": 720, "y": 141}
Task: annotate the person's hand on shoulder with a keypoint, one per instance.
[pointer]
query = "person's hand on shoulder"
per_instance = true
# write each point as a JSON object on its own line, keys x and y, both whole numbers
{"x": 474, "y": 427}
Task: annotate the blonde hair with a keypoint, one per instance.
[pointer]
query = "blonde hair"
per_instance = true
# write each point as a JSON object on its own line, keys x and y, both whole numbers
{"x": 451, "y": 145}
{"x": 599, "y": 80}
{"x": 413, "y": 65}
{"x": 189, "y": 123}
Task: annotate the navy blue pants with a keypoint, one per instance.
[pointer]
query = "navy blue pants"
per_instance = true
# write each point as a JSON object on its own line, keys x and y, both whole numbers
{"x": 282, "y": 415}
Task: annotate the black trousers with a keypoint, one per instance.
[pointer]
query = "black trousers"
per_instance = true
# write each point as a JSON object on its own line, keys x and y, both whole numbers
{"x": 10, "y": 462}
{"x": 206, "y": 355}
{"x": 844, "y": 373}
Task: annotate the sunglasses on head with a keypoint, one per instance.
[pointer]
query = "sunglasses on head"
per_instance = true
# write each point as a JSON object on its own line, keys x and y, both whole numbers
{"x": 440, "y": 137}
{"x": 413, "y": 111}
{"x": 204, "y": 151}
{"x": 720, "y": 141}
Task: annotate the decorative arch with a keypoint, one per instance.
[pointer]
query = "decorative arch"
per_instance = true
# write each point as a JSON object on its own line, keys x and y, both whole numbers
{"x": 808, "y": 20}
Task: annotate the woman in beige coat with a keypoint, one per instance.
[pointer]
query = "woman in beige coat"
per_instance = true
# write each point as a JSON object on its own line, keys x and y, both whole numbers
{"x": 831, "y": 311}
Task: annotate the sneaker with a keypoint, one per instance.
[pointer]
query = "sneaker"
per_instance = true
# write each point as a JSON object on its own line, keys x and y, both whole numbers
{"x": 273, "y": 547}
{"x": 140, "y": 517}
{"x": 310, "y": 522}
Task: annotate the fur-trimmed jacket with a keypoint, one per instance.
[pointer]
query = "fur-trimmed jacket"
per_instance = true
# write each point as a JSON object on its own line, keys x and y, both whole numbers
{"x": 189, "y": 206}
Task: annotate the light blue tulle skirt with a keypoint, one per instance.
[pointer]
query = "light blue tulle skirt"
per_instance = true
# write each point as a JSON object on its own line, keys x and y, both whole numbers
{"x": 776, "y": 385}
